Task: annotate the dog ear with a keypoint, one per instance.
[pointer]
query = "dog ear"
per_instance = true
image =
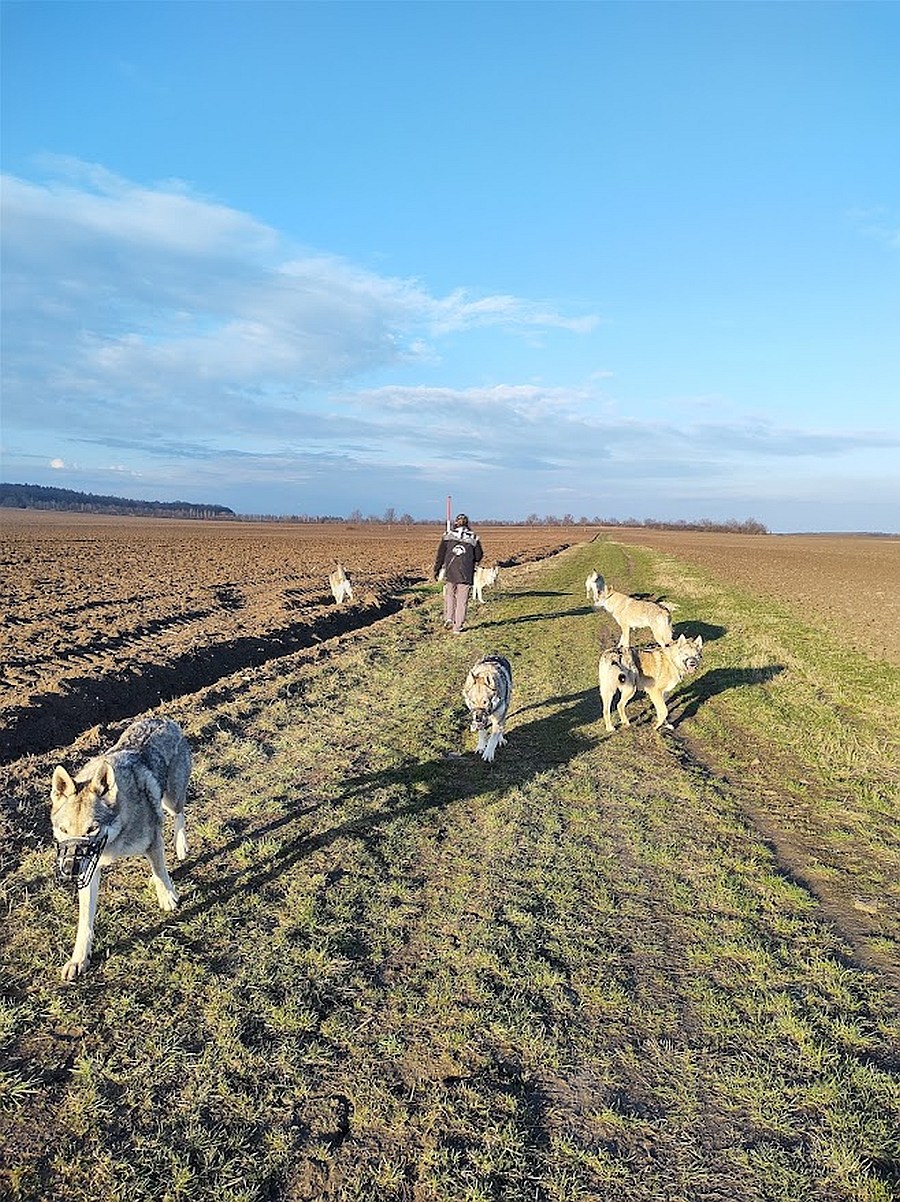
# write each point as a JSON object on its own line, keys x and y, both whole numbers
{"x": 104, "y": 782}
{"x": 61, "y": 787}
{"x": 699, "y": 641}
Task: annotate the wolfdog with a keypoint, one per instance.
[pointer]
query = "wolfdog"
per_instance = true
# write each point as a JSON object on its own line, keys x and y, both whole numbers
{"x": 114, "y": 808}
{"x": 655, "y": 670}
{"x": 484, "y": 578}
{"x": 631, "y": 613}
{"x": 487, "y": 694}
{"x": 340, "y": 586}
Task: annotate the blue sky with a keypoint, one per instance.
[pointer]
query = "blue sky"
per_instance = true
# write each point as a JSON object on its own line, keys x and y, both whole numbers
{"x": 600, "y": 259}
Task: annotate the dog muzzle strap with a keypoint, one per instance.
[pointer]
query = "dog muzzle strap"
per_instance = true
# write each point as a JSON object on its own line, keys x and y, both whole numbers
{"x": 77, "y": 859}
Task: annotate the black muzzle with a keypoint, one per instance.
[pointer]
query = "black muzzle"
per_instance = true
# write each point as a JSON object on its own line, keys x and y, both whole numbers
{"x": 481, "y": 719}
{"x": 77, "y": 859}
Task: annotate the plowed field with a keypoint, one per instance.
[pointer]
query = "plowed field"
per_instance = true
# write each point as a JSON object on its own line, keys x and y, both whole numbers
{"x": 105, "y": 617}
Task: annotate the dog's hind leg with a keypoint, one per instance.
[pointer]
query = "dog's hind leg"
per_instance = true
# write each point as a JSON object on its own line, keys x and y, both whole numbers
{"x": 165, "y": 890}
{"x": 662, "y": 630}
{"x": 177, "y": 812}
{"x": 175, "y": 796}
{"x": 84, "y": 937}
{"x": 607, "y": 710}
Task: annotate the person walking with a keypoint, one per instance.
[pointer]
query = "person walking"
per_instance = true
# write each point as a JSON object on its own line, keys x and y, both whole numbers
{"x": 458, "y": 555}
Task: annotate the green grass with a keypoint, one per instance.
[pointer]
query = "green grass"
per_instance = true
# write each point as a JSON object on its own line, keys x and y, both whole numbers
{"x": 627, "y": 967}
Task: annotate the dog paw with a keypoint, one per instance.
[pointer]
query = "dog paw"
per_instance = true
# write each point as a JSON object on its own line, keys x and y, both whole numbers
{"x": 73, "y": 969}
{"x": 168, "y": 899}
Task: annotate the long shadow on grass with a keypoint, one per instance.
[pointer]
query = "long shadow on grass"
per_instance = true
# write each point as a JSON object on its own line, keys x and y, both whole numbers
{"x": 720, "y": 680}
{"x": 541, "y": 617}
{"x": 419, "y": 788}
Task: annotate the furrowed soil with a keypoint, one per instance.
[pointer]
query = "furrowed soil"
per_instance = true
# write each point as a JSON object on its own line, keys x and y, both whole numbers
{"x": 636, "y": 967}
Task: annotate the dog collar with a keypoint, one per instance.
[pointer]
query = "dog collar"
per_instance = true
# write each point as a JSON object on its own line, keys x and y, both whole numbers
{"x": 77, "y": 859}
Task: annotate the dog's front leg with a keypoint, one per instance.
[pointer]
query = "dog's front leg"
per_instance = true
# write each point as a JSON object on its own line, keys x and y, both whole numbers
{"x": 496, "y": 739}
{"x": 84, "y": 936}
{"x": 165, "y": 890}
{"x": 662, "y": 710}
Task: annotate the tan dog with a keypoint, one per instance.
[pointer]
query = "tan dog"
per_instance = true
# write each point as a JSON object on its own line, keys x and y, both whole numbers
{"x": 114, "y": 808}
{"x": 339, "y": 583}
{"x": 631, "y": 613}
{"x": 655, "y": 670}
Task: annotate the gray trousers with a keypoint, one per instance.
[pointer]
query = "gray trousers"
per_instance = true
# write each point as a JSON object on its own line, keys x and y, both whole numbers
{"x": 456, "y": 600}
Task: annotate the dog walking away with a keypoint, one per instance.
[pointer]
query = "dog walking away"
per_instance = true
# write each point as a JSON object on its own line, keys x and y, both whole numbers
{"x": 484, "y": 578}
{"x": 590, "y": 587}
{"x": 114, "y": 808}
{"x": 654, "y": 670}
{"x": 631, "y": 613}
{"x": 487, "y": 694}
{"x": 339, "y": 583}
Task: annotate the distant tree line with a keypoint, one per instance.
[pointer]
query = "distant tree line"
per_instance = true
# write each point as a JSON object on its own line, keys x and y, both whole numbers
{"x": 731, "y": 526}
{"x": 391, "y": 518}
{"x": 39, "y": 496}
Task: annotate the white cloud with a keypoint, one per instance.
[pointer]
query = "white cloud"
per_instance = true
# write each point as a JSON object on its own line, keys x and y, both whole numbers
{"x": 152, "y": 295}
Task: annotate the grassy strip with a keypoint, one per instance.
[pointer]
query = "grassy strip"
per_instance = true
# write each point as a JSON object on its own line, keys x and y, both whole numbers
{"x": 807, "y": 735}
{"x": 400, "y": 973}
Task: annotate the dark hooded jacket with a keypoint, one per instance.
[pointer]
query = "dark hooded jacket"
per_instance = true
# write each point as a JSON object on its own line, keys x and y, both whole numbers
{"x": 458, "y": 554}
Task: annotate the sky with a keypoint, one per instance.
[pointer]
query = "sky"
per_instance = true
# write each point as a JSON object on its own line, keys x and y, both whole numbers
{"x": 604, "y": 260}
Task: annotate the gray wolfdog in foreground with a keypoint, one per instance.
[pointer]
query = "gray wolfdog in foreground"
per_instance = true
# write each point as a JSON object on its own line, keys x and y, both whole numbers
{"x": 631, "y": 613}
{"x": 487, "y": 694}
{"x": 655, "y": 670}
{"x": 114, "y": 808}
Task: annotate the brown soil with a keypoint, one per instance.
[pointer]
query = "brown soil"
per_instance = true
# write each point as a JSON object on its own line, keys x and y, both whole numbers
{"x": 105, "y": 617}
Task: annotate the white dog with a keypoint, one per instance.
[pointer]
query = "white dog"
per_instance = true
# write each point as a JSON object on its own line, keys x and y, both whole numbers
{"x": 484, "y": 578}
{"x": 339, "y": 583}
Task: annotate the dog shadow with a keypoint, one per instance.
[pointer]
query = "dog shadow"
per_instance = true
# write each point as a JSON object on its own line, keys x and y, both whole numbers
{"x": 701, "y": 689}
{"x": 710, "y": 633}
{"x": 425, "y": 787}
{"x": 542, "y": 617}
